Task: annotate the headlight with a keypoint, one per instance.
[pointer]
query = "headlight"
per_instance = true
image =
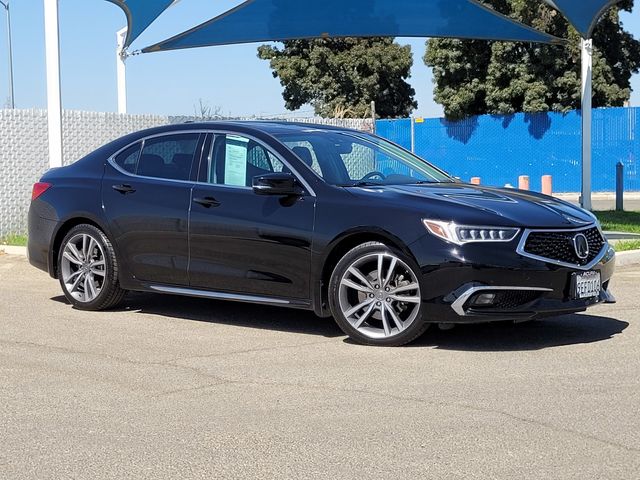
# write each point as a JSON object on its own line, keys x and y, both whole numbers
{"x": 461, "y": 234}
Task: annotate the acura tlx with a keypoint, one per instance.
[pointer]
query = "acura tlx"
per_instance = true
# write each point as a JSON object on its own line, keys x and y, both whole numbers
{"x": 332, "y": 220}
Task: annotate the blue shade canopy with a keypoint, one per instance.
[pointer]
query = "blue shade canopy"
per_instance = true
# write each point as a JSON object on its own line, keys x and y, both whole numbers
{"x": 583, "y": 14}
{"x": 278, "y": 20}
{"x": 140, "y": 14}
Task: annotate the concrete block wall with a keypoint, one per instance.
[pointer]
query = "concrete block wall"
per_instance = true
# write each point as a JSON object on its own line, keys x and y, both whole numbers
{"x": 24, "y": 151}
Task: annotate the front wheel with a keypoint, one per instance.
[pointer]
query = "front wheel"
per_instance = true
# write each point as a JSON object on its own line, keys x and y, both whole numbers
{"x": 88, "y": 269}
{"x": 375, "y": 296}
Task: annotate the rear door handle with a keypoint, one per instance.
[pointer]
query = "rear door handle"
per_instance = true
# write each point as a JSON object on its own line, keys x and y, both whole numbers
{"x": 207, "y": 202}
{"x": 124, "y": 189}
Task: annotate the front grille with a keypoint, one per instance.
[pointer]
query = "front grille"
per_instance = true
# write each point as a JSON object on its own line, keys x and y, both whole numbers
{"x": 559, "y": 246}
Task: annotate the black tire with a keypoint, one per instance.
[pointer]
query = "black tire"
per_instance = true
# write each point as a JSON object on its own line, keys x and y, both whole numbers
{"x": 410, "y": 333}
{"x": 110, "y": 293}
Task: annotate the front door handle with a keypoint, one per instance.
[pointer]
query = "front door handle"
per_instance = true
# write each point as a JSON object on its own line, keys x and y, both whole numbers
{"x": 207, "y": 202}
{"x": 124, "y": 189}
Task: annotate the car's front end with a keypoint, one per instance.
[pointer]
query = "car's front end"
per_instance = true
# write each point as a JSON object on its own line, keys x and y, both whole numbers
{"x": 469, "y": 253}
{"x": 489, "y": 254}
{"x": 535, "y": 274}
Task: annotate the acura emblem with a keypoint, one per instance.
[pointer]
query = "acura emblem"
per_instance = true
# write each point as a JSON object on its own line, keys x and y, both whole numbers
{"x": 581, "y": 246}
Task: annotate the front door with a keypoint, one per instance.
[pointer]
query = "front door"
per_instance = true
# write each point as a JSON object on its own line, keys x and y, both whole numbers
{"x": 146, "y": 193}
{"x": 242, "y": 242}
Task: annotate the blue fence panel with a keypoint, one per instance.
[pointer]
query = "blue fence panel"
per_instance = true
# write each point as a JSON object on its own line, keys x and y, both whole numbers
{"x": 398, "y": 131}
{"x": 499, "y": 148}
{"x": 616, "y": 138}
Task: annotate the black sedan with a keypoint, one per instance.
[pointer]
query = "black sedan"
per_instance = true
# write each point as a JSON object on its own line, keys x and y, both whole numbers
{"x": 332, "y": 220}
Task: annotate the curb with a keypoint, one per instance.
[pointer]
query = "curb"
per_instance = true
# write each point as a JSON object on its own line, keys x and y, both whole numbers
{"x": 622, "y": 236}
{"x": 12, "y": 250}
{"x": 623, "y": 259}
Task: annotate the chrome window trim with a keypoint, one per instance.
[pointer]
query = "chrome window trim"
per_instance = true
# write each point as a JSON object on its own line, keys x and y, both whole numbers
{"x": 520, "y": 250}
{"x": 142, "y": 140}
{"x": 458, "y": 304}
{"x": 112, "y": 159}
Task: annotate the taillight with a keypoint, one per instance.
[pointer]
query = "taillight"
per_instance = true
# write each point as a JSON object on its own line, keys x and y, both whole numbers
{"x": 38, "y": 189}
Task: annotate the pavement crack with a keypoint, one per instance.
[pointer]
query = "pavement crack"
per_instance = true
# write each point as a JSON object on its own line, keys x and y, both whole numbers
{"x": 249, "y": 350}
{"x": 476, "y": 408}
{"x": 166, "y": 393}
{"x": 117, "y": 359}
{"x": 230, "y": 381}
{"x": 173, "y": 363}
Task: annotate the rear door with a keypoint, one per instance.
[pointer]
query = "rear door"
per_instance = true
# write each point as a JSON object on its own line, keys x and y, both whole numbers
{"x": 146, "y": 194}
{"x": 242, "y": 242}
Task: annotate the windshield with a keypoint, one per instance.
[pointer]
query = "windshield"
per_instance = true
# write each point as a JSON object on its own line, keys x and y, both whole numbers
{"x": 359, "y": 159}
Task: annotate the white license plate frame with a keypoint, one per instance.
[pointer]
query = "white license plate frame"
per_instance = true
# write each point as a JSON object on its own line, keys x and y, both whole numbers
{"x": 586, "y": 285}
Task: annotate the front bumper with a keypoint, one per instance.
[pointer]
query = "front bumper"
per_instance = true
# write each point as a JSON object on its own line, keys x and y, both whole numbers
{"x": 531, "y": 288}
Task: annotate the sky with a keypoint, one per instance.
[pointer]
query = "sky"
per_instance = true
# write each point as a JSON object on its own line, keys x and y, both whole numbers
{"x": 166, "y": 83}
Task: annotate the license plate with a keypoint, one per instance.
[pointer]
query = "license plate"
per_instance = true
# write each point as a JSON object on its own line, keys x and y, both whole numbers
{"x": 586, "y": 285}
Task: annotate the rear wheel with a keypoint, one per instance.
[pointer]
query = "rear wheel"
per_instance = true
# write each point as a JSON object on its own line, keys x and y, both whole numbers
{"x": 375, "y": 296}
{"x": 88, "y": 269}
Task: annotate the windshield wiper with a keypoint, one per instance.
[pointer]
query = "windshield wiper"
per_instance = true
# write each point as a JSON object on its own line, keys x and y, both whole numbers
{"x": 427, "y": 182}
{"x": 363, "y": 183}
{"x": 366, "y": 183}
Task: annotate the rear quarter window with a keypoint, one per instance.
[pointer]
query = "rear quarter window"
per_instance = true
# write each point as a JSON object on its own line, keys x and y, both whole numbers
{"x": 127, "y": 160}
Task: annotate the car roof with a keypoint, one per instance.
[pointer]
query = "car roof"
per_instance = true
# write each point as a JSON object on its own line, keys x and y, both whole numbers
{"x": 246, "y": 126}
{"x": 276, "y": 127}
{"x": 271, "y": 127}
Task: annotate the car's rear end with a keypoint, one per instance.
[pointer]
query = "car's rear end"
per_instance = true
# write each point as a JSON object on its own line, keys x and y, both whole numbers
{"x": 42, "y": 226}
{"x": 61, "y": 197}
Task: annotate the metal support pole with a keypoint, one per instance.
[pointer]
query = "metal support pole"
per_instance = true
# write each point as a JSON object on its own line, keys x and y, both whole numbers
{"x": 587, "y": 94}
{"x": 54, "y": 100}
{"x": 121, "y": 69}
{"x": 620, "y": 186}
{"x": 413, "y": 135}
{"x": 12, "y": 99}
{"x": 373, "y": 115}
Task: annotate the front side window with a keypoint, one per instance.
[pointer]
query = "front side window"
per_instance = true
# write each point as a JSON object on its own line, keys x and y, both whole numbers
{"x": 352, "y": 158}
{"x": 305, "y": 152}
{"x": 168, "y": 156}
{"x": 234, "y": 160}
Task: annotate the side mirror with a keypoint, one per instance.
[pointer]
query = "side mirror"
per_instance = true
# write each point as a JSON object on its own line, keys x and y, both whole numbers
{"x": 282, "y": 184}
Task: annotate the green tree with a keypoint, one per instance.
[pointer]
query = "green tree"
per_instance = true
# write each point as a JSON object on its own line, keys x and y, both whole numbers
{"x": 340, "y": 77}
{"x": 476, "y": 77}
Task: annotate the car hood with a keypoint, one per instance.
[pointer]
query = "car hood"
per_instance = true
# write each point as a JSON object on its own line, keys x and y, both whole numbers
{"x": 478, "y": 205}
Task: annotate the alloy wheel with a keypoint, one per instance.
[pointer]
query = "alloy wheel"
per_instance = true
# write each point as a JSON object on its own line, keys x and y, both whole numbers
{"x": 83, "y": 267}
{"x": 379, "y": 295}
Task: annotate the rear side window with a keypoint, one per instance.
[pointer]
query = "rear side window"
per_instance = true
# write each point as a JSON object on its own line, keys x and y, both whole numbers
{"x": 127, "y": 160}
{"x": 168, "y": 157}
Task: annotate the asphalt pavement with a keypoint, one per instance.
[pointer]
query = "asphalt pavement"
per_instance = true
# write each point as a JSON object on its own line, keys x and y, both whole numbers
{"x": 170, "y": 387}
